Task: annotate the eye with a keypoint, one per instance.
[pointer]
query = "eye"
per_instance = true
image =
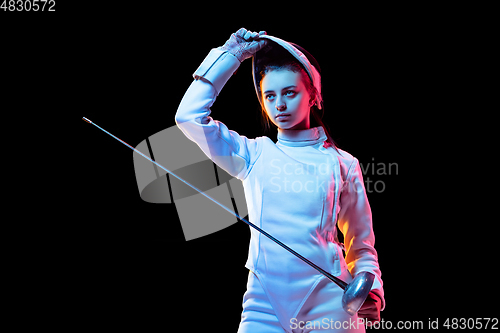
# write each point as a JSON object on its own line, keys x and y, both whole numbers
{"x": 270, "y": 97}
{"x": 290, "y": 93}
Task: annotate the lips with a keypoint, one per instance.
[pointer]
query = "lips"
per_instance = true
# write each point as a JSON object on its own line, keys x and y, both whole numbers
{"x": 282, "y": 116}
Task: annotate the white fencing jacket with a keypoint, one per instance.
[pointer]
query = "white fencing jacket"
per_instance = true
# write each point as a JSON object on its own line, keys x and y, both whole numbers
{"x": 296, "y": 190}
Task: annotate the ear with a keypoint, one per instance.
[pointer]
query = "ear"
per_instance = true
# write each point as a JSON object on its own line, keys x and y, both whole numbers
{"x": 312, "y": 101}
{"x": 312, "y": 98}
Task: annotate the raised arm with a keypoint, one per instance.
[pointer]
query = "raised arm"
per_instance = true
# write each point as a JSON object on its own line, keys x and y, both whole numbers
{"x": 231, "y": 151}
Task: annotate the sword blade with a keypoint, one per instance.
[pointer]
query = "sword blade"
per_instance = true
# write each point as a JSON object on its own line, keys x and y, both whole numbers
{"x": 332, "y": 278}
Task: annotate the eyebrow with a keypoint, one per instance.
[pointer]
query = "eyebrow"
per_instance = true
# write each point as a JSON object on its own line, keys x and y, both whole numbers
{"x": 288, "y": 87}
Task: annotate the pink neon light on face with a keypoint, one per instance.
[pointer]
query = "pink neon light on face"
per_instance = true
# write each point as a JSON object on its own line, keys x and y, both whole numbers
{"x": 284, "y": 92}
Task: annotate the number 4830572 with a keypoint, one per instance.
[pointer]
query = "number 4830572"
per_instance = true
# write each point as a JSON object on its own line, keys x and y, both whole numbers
{"x": 28, "y": 5}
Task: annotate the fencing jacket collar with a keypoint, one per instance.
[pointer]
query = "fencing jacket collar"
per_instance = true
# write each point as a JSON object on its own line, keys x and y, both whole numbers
{"x": 300, "y": 138}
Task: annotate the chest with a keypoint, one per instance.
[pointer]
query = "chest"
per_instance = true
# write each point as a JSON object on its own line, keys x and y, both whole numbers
{"x": 298, "y": 173}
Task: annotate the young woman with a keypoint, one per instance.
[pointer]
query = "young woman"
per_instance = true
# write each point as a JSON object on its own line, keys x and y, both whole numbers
{"x": 297, "y": 189}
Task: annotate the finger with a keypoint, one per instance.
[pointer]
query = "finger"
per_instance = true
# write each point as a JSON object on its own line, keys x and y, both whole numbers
{"x": 256, "y": 45}
{"x": 370, "y": 317}
{"x": 369, "y": 306}
{"x": 241, "y": 32}
{"x": 371, "y": 322}
{"x": 248, "y": 35}
{"x": 262, "y": 33}
{"x": 366, "y": 314}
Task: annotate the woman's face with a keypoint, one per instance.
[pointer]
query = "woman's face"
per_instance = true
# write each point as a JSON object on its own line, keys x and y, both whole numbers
{"x": 286, "y": 99}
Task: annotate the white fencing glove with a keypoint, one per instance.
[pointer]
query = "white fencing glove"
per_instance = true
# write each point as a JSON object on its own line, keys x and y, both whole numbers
{"x": 243, "y": 44}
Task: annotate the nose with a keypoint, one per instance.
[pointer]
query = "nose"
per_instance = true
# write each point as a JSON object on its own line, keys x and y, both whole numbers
{"x": 280, "y": 105}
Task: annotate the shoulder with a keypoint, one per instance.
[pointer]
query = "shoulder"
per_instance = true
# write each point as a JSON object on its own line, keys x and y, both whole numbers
{"x": 265, "y": 139}
{"x": 255, "y": 146}
{"x": 259, "y": 142}
{"x": 347, "y": 161}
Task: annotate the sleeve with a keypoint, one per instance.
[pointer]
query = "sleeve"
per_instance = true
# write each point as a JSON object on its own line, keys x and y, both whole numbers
{"x": 229, "y": 150}
{"x": 355, "y": 222}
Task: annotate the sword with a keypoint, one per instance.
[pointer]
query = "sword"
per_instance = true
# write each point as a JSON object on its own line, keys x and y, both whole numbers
{"x": 355, "y": 293}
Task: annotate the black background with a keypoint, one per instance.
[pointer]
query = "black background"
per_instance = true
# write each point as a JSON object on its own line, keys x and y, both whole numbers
{"x": 127, "y": 66}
